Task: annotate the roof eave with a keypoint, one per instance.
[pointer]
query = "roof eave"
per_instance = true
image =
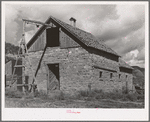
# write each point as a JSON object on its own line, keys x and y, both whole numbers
{"x": 126, "y": 67}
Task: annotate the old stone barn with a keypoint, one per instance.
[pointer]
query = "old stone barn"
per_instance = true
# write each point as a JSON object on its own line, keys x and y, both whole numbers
{"x": 69, "y": 59}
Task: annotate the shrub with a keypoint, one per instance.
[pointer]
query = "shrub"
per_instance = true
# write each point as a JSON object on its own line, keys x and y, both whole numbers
{"x": 42, "y": 94}
{"x": 115, "y": 95}
{"x": 83, "y": 93}
{"x": 14, "y": 94}
{"x": 124, "y": 90}
{"x": 61, "y": 96}
{"x": 98, "y": 90}
{"x": 131, "y": 97}
{"x": 89, "y": 95}
{"x": 100, "y": 96}
{"x": 140, "y": 97}
{"x": 53, "y": 95}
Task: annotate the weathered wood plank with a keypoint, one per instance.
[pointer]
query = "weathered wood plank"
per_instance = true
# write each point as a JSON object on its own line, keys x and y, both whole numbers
{"x": 66, "y": 41}
{"x": 39, "y": 44}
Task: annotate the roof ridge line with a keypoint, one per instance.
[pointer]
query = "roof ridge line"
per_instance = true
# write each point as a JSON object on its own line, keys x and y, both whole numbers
{"x": 55, "y": 19}
{"x": 90, "y": 40}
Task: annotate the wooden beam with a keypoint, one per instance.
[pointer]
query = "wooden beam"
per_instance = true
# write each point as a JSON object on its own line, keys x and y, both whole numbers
{"x": 36, "y": 22}
{"x": 104, "y": 69}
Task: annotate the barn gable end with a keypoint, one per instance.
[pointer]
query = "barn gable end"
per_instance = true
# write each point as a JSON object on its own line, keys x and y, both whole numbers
{"x": 81, "y": 59}
{"x": 63, "y": 40}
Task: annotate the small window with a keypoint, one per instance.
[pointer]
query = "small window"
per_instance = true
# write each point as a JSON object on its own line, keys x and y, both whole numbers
{"x": 100, "y": 74}
{"x": 111, "y": 74}
{"x": 119, "y": 75}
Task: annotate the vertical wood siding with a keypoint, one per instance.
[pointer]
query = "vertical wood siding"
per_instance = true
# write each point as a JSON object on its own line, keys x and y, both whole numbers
{"x": 66, "y": 41}
{"x": 39, "y": 44}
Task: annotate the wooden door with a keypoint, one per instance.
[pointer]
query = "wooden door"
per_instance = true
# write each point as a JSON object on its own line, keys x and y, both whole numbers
{"x": 53, "y": 77}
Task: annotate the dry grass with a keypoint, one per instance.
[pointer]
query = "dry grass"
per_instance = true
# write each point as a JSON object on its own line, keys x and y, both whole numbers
{"x": 59, "y": 95}
{"x": 115, "y": 95}
{"x": 83, "y": 94}
{"x": 14, "y": 94}
{"x": 84, "y": 99}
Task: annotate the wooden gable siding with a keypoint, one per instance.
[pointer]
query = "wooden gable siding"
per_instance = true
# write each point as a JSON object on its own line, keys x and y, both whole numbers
{"x": 66, "y": 41}
{"x": 39, "y": 44}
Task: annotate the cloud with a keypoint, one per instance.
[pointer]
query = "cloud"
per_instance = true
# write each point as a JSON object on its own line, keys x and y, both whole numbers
{"x": 11, "y": 26}
{"x": 141, "y": 55}
{"x": 121, "y": 30}
{"x": 120, "y": 26}
{"x": 132, "y": 58}
{"x": 129, "y": 21}
{"x": 136, "y": 63}
{"x": 130, "y": 55}
{"x": 134, "y": 40}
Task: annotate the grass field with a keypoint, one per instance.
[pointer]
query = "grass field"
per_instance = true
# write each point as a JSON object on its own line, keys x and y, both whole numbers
{"x": 39, "y": 103}
{"x": 94, "y": 99}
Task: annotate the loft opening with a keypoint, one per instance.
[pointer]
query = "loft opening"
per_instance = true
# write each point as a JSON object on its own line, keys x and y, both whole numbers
{"x": 52, "y": 37}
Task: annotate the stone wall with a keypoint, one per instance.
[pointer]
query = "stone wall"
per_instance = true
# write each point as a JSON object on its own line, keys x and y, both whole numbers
{"x": 76, "y": 70}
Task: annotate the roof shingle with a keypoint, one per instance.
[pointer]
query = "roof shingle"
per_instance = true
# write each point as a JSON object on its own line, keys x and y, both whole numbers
{"x": 87, "y": 38}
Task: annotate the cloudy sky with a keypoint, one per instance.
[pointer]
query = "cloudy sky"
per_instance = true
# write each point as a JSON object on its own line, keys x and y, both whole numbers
{"x": 121, "y": 26}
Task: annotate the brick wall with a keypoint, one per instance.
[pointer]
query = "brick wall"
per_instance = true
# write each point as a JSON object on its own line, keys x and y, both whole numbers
{"x": 76, "y": 70}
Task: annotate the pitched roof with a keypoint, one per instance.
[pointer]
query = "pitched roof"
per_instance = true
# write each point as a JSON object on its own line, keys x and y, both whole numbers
{"x": 87, "y": 38}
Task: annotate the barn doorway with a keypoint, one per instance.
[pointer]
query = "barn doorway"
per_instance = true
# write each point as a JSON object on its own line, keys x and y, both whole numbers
{"x": 53, "y": 77}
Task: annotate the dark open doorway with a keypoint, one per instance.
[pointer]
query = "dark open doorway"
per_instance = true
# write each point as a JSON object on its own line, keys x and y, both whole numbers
{"x": 53, "y": 77}
{"x": 52, "y": 37}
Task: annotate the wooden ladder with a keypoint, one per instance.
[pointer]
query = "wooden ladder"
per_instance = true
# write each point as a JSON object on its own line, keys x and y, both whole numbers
{"x": 25, "y": 58}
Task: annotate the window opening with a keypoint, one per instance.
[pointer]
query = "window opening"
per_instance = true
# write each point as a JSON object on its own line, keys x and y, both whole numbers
{"x": 100, "y": 74}
{"x": 111, "y": 75}
{"x": 119, "y": 75}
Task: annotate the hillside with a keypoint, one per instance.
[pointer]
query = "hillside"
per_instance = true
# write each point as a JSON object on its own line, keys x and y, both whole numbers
{"x": 10, "y": 52}
{"x": 138, "y": 76}
{"x": 11, "y": 49}
{"x": 139, "y": 68}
